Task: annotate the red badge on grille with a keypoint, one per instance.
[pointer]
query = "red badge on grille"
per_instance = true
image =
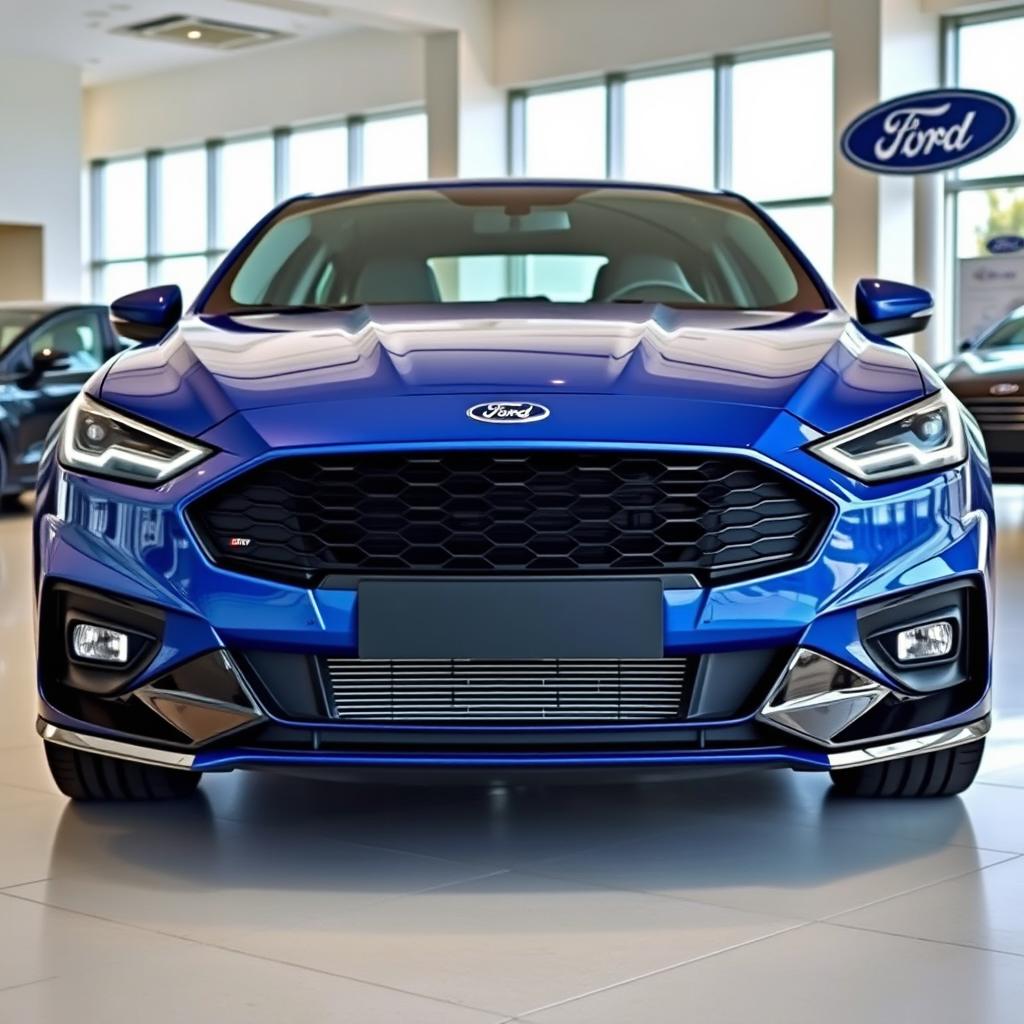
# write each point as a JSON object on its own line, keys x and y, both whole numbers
{"x": 239, "y": 542}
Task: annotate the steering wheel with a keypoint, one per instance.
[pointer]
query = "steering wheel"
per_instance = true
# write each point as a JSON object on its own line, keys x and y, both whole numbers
{"x": 635, "y": 286}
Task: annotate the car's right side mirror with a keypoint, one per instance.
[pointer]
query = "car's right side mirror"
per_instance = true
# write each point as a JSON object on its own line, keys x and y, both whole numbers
{"x": 966, "y": 345}
{"x": 890, "y": 309}
{"x": 148, "y": 315}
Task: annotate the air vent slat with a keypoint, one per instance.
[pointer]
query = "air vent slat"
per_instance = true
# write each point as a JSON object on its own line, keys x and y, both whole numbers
{"x": 545, "y": 690}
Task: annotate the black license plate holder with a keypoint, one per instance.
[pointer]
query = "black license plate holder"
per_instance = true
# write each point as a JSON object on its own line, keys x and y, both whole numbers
{"x": 511, "y": 619}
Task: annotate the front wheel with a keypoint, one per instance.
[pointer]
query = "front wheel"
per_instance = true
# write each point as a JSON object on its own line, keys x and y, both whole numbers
{"x": 941, "y": 773}
{"x": 84, "y": 776}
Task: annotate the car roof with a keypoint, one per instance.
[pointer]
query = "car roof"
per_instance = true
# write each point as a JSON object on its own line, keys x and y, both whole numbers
{"x": 450, "y": 183}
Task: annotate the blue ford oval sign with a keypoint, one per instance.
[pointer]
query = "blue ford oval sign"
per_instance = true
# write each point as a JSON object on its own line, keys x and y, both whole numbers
{"x": 929, "y": 131}
{"x": 1004, "y": 243}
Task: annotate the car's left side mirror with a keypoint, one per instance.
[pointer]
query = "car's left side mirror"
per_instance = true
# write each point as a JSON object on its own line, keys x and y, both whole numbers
{"x": 148, "y": 315}
{"x": 890, "y": 309}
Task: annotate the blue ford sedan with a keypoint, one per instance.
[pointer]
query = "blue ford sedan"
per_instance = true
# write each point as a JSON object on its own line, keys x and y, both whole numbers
{"x": 515, "y": 478}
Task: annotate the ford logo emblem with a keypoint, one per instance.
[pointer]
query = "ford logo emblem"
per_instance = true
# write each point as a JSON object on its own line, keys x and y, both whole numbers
{"x": 1004, "y": 389}
{"x": 508, "y": 412}
{"x": 929, "y": 131}
{"x": 1004, "y": 243}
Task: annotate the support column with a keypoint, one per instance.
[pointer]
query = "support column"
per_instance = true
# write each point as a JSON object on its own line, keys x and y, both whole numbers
{"x": 465, "y": 110}
{"x": 883, "y": 48}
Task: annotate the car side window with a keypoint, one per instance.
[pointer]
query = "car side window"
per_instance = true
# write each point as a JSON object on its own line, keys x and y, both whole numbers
{"x": 77, "y": 337}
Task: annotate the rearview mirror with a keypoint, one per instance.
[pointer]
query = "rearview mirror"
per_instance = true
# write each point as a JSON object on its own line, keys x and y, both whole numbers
{"x": 890, "y": 309}
{"x": 148, "y": 315}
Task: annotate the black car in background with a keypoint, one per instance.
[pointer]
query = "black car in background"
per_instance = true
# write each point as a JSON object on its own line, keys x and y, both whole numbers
{"x": 47, "y": 352}
{"x": 988, "y": 377}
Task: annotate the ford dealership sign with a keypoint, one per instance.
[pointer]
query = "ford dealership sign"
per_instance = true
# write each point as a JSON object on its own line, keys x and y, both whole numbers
{"x": 1001, "y": 244}
{"x": 929, "y": 131}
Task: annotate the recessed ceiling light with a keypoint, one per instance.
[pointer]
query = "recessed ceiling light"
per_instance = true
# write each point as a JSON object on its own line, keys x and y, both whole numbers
{"x": 205, "y": 32}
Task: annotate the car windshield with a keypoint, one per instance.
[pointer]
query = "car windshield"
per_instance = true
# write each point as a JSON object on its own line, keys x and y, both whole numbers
{"x": 545, "y": 243}
{"x": 1008, "y": 334}
{"x": 14, "y": 323}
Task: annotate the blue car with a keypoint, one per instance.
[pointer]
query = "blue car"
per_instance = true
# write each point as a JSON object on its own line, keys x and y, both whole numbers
{"x": 508, "y": 479}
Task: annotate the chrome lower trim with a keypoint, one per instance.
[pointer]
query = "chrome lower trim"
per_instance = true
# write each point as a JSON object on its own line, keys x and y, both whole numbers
{"x": 822, "y": 712}
{"x": 915, "y": 745}
{"x": 114, "y": 748}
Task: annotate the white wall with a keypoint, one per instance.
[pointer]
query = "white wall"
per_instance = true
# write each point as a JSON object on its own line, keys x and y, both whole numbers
{"x": 542, "y": 40}
{"x": 348, "y": 73}
{"x": 40, "y": 163}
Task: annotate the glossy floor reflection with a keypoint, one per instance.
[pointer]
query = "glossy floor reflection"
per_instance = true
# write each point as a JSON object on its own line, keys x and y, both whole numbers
{"x": 726, "y": 899}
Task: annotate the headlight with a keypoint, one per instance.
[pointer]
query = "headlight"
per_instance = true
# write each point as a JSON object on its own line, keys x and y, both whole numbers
{"x": 103, "y": 442}
{"x": 925, "y": 436}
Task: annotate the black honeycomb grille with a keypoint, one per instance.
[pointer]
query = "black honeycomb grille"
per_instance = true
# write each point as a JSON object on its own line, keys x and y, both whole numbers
{"x": 509, "y": 512}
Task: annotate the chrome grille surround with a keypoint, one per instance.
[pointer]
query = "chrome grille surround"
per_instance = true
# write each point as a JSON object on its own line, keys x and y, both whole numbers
{"x": 539, "y": 691}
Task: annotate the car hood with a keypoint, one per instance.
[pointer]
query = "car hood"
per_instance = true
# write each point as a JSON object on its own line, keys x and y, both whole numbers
{"x": 975, "y": 373}
{"x": 353, "y": 376}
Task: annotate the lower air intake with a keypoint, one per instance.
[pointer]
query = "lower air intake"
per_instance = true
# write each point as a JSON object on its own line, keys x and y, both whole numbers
{"x": 467, "y": 691}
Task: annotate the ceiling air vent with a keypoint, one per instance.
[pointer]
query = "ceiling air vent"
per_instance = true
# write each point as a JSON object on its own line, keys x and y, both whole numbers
{"x": 214, "y": 35}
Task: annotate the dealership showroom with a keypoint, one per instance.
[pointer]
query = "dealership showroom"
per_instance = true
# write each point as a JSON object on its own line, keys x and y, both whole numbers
{"x": 511, "y": 510}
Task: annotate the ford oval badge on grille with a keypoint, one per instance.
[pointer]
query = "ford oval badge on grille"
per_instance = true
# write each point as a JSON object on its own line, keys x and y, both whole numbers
{"x": 508, "y": 412}
{"x": 1004, "y": 389}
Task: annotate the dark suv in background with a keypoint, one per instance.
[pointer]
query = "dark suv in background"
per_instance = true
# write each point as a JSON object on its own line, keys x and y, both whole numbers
{"x": 47, "y": 352}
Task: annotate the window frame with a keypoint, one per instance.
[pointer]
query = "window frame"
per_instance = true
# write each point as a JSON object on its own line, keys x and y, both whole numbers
{"x": 954, "y": 185}
{"x": 213, "y": 252}
{"x": 614, "y": 83}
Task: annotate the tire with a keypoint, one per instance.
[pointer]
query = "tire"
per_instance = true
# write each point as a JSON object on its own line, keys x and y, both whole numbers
{"x": 942, "y": 773}
{"x": 84, "y": 776}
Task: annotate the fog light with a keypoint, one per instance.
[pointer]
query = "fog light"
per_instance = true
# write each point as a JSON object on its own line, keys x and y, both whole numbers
{"x": 97, "y": 643}
{"x": 934, "y": 640}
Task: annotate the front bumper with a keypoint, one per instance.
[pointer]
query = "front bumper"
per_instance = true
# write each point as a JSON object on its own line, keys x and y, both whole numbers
{"x": 888, "y": 544}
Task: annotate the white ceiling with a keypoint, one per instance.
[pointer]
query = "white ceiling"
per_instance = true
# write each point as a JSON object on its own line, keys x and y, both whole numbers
{"x": 79, "y": 31}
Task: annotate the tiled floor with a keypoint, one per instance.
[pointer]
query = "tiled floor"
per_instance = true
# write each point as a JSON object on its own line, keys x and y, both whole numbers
{"x": 722, "y": 899}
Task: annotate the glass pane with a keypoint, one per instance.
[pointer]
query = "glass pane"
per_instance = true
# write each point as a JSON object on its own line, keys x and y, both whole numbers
{"x": 490, "y": 278}
{"x": 246, "y": 187}
{"x": 782, "y": 126}
{"x": 318, "y": 160}
{"x": 669, "y": 128}
{"x": 612, "y": 244}
{"x": 187, "y": 272}
{"x": 119, "y": 279}
{"x": 989, "y": 58}
{"x": 183, "y": 201}
{"x": 77, "y": 337}
{"x": 810, "y": 227}
{"x": 395, "y": 149}
{"x": 983, "y": 214}
{"x": 124, "y": 209}
{"x": 565, "y": 133}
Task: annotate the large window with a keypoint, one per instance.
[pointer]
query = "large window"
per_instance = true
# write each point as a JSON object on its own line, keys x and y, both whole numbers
{"x": 170, "y": 216}
{"x": 703, "y": 126}
{"x": 988, "y": 195}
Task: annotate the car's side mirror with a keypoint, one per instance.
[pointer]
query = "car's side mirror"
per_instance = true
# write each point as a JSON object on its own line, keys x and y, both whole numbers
{"x": 966, "y": 345}
{"x": 44, "y": 361}
{"x": 148, "y": 315}
{"x": 890, "y": 309}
